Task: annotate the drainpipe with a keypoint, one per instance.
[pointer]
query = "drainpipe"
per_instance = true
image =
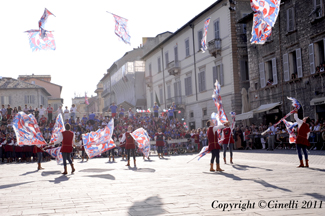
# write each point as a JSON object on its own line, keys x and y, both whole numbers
{"x": 282, "y": 77}
{"x": 192, "y": 27}
{"x": 163, "y": 70}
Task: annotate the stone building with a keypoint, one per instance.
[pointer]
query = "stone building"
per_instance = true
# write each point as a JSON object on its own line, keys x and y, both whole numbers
{"x": 178, "y": 71}
{"x": 286, "y": 65}
{"x": 18, "y": 93}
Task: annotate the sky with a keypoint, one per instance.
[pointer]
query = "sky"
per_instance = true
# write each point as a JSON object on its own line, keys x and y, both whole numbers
{"x": 86, "y": 45}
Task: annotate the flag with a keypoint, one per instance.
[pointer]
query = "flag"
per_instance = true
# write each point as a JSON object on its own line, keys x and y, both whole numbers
{"x": 157, "y": 101}
{"x": 58, "y": 128}
{"x": 121, "y": 29}
{"x": 55, "y": 153}
{"x": 86, "y": 99}
{"x": 203, "y": 152}
{"x": 266, "y": 13}
{"x": 233, "y": 116}
{"x": 42, "y": 21}
{"x": 27, "y": 130}
{"x": 218, "y": 103}
{"x": 290, "y": 128}
{"x": 141, "y": 136}
{"x": 295, "y": 102}
{"x": 41, "y": 40}
{"x": 143, "y": 111}
{"x": 96, "y": 143}
{"x": 204, "y": 37}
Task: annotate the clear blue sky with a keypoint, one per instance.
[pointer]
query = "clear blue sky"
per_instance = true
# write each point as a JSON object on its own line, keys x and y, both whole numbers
{"x": 84, "y": 35}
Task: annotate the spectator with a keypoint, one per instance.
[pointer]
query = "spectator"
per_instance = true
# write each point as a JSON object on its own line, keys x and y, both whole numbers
{"x": 156, "y": 109}
{"x": 121, "y": 112}
{"x": 42, "y": 111}
{"x": 66, "y": 113}
{"x": 30, "y": 110}
{"x": 9, "y": 110}
{"x": 113, "y": 109}
{"x": 73, "y": 111}
{"x": 26, "y": 109}
{"x": 49, "y": 113}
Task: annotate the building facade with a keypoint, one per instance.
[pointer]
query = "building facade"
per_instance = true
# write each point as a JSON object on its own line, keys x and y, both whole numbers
{"x": 178, "y": 71}
{"x": 124, "y": 82}
{"x": 290, "y": 63}
{"x": 19, "y": 93}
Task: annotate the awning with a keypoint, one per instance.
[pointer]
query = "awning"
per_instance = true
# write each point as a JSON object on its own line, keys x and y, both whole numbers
{"x": 317, "y": 101}
{"x": 262, "y": 108}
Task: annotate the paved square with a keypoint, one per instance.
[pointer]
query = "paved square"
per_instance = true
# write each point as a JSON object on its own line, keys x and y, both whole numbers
{"x": 168, "y": 187}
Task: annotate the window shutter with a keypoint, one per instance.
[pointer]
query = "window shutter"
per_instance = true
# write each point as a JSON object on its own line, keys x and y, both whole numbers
{"x": 200, "y": 84}
{"x": 216, "y": 30}
{"x": 179, "y": 88}
{"x": 286, "y": 67}
{"x": 33, "y": 99}
{"x": 274, "y": 72}
{"x": 262, "y": 74}
{"x": 2, "y": 100}
{"x": 299, "y": 64}
{"x": 25, "y": 99}
{"x": 311, "y": 58}
{"x": 222, "y": 81}
{"x": 203, "y": 81}
{"x": 190, "y": 85}
{"x": 9, "y": 99}
{"x": 176, "y": 54}
{"x": 214, "y": 74}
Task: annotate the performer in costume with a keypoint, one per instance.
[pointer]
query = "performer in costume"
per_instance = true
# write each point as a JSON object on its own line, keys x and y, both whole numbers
{"x": 159, "y": 137}
{"x": 67, "y": 138}
{"x": 214, "y": 146}
{"x": 302, "y": 138}
{"x": 129, "y": 145}
{"x": 38, "y": 151}
{"x": 227, "y": 140}
{"x": 122, "y": 145}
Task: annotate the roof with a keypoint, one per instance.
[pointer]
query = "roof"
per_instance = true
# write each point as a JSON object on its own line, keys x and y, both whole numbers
{"x": 30, "y": 77}
{"x": 35, "y": 76}
{"x": 183, "y": 27}
{"x": 10, "y": 83}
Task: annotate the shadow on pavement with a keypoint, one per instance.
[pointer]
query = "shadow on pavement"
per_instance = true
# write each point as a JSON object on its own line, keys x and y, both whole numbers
{"x": 150, "y": 206}
{"x": 317, "y": 169}
{"x": 44, "y": 173}
{"x": 245, "y": 167}
{"x": 142, "y": 169}
{"x": 96, "y": 170}
{"x": 27, "y": 173}
{"x": 316, "y": 196}
{"x": 13, "y": 185}
{"x": 60, "y": 179}
{"x": 103, "y": 176}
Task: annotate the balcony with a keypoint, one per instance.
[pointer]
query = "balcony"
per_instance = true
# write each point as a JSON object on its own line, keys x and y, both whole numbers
{"x": 179, "y": 101}
{"x": 214, "y": 47}
{"x": 106, "y": 92}
{"x": 149, "y": 81}
{"x": 174, "y": 68}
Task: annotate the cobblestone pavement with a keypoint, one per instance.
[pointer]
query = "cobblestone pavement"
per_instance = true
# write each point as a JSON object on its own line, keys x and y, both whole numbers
{"x": 168, "y": 186}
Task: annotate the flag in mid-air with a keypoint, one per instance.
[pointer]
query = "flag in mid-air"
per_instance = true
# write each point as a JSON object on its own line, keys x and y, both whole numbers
{"x": 42, "y": 21}
{"x": 203, "y": 152}
{"x": 141, "y": 136}
{"x": 218, "y": 103}
{"x": 86, "y": 99}
{"x": 204, "y": 37}
{"x": 121, "y": 29}
{"x": 295, "y": 102}
{"x": 41, "y": 40}
{"x": 55, "y": 153}
{"x": 27, "y": 130}
{"x": 58, "y": 128}
{"x": 266, "y": 13}
{"x": 94, "y": 150}
{"x": 290, "y": 128}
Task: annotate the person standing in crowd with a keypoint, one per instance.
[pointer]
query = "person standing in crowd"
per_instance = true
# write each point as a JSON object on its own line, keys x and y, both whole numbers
{"x": 73, "y": 111}
{"x": 130, "y": 113}
{"x": 67, "y": 138}
{"x": 302, "y": 138}
{"x": 214, "y": 146}
{"x": 36, "y": 114}
{"x": 129, "y": 144}
{"x": 171, "y": 113}
{"x": 159, "y": 137}
{"x": 113, "y": 109}
{"x": 174, "y": 109}
{"x": 156, "y": 110}
{"x": 121, "y": 113}
{"x": 59, "y": 111}
{"x": 66, "y": 113}
{"x": 227, "y": 141}
{"x": 4, "y": 110}
{"x": 9, "y": 111}
{"x": 26, "y": 109}
{"x": 196, "y": 137}
{"x": 49, "y": 113}
{"x": 271, "y": 137}
{"x": 30, "y": 110}
{"x": 42, "y": 111}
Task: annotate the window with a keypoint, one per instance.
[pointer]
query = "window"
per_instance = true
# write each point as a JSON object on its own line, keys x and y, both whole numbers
{"x": 244, "y": 70}
{"x": 5, "y": 100}
{"x": 166, "y": 59}
{"x": 290, "y": 19}
{"x": 191, "y": 114}
{"x": 217, "y": 73}
{"x": 42, "y": 100}
{"x": 178, "y": 92}
{"x": 169, "y": 92}
{"x": 202, "y": 80}
{"x": 268, "y": 73}
{"x": 188, "y": 86}
{"x": 292, "y": 65}
{"x": 199, "y": 36}
{"x": 319, "y": 53}
{"x": 161, "y": 95}
{"x": 159, "y": 65}
{"x": 318, "y": 8}
{"x": 187, "y": 47}
{"x": 204, "y": 111}
{"x": 150, "y": 71}
{"x": 216, "y": 30}
{"x": 29, "y": 99}
{"x": 176, "y": 54}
